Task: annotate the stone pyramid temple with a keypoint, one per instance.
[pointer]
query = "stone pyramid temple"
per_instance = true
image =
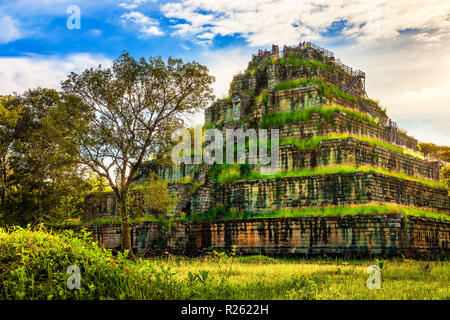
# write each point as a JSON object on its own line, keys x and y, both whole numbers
{"x": 338, "y": 149}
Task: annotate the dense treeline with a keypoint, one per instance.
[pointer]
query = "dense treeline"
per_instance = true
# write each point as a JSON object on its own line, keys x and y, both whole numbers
{"x": 442, "y": 153}
{"x": 41, "y": 179}
{"x": 439, "y": 152}
{"x": 57, "y": 146}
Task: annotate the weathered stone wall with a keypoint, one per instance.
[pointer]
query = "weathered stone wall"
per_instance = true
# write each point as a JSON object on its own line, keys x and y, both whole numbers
{"x": 231, "y": 110}
{"x": 330, "y": 236}
{"x": 99, "y": 205}
{"x": 331, "y": 189}
{"x": 342, "y": 123}
{"x": 204, "y": 198}
{"x": 144, "y": 236}
{"x": 104, "y": 204}
{"x": 394, "y": 135}
{"x": 318, "y": 126}
{"x": 173, "y": 172}
{"x": 354, "y": 152}
{"x": 295, "y": 99}
{"x": 345, "y": 236}
{"x": 292, "y": 192}
{"x": 220, "y": 110}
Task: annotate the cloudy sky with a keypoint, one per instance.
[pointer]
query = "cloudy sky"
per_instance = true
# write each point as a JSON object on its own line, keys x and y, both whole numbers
{"x": 402, "y": 45}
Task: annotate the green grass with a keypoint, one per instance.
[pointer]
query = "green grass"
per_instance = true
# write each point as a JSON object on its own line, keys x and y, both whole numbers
{"x": 372, "y": 208}
{"x": 227, "y": 177}
{"x": 326, "y": 89}
{"x": 184, "y": 180}
{"x": 295, "y": 61}
{"x": 208, "y": 126}
{"x": 113, "y": 220}
{"x": 262, "y": 277}
{"x": 276, "y": 119}
{"x": 315, "y": 142}
{"x": 263, "y": 97}
{"x": 33, "y": 266}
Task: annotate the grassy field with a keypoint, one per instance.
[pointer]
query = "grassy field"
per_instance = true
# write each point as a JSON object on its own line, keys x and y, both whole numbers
{"x": 259, "y": 277}
{"x": 34, "y": 264}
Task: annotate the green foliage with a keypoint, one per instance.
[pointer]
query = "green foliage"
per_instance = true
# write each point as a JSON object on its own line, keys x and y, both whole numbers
{"x": 225, "y": 177}
{"x": 208, "y": 126}
{"x": 276, "y": 119}
{"x": 201, "y": 276}
{"x": 132, "y": 109}
{"x": 41, "y": 179}
{"x": 445, "y": 175}
{"x": 103, "y": 221}
{"x": 425, "y": 268}
{"x": 439, "y": 152}
{"x": 263, "y": 97}
{"x": 343, "y": 210}
{"x": 227, "y": 99}
{"x": 306, "y": 288}
{"x": 315, "y": 142}
{"x": 157, "y": 197}
{"x": 224, "y": 261}
{"x": 326, "y": 89}
{"x": 33, "y": 265}
{"x": 297, "y": 62}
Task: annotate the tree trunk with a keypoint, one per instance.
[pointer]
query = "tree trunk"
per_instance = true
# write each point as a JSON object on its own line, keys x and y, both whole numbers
{"x": 126, "y": 231}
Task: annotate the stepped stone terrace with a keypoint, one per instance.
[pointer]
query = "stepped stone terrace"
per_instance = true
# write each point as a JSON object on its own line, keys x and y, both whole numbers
{"x": 338, "y": 148}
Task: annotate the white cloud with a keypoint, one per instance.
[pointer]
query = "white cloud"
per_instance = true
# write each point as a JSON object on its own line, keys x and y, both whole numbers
{"x": 223, "y": 65}
{"x": 9, "y": 29}
{"x": 147, "y": 26}
{"x": 403, "y": 46}
{"x": 263, "y": 22}
{"x": 133, "y": 4}
{"x": 411, "y": 80}
{"x": 18, "y": 74}
{"x": 96, "y": 32}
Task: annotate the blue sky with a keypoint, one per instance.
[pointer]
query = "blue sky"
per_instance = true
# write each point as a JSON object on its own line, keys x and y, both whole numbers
{"x": 403, "y": 46}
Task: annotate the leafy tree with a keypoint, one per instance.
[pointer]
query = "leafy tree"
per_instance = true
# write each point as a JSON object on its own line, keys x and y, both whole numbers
{"x": 8, "y": 119}
{"x": 439, "y": 152}
{"x": 157, "y": 197}
{"x": 132, "y": 109}
{"x": 41, "y": 178}
{"x": 445, "y": 175}
{"x": 442, "y": 153}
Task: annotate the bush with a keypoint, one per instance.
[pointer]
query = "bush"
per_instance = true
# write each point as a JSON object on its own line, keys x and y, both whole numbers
{"x": 33, "y": 265}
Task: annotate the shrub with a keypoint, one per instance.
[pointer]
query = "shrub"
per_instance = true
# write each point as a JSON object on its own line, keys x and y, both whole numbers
{"x": 33, "y": 265}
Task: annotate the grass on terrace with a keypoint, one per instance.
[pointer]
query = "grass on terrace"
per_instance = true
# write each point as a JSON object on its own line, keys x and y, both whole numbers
{"x": 222, "y": 213}
{"x": 233, "y": 174}
{"x": 276, "y": 119}
{"x": 33, "y": 266}
{"x": 371, "y": 208}
{"x": 326, "y": 89}
{"x": 315, "y": 142}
